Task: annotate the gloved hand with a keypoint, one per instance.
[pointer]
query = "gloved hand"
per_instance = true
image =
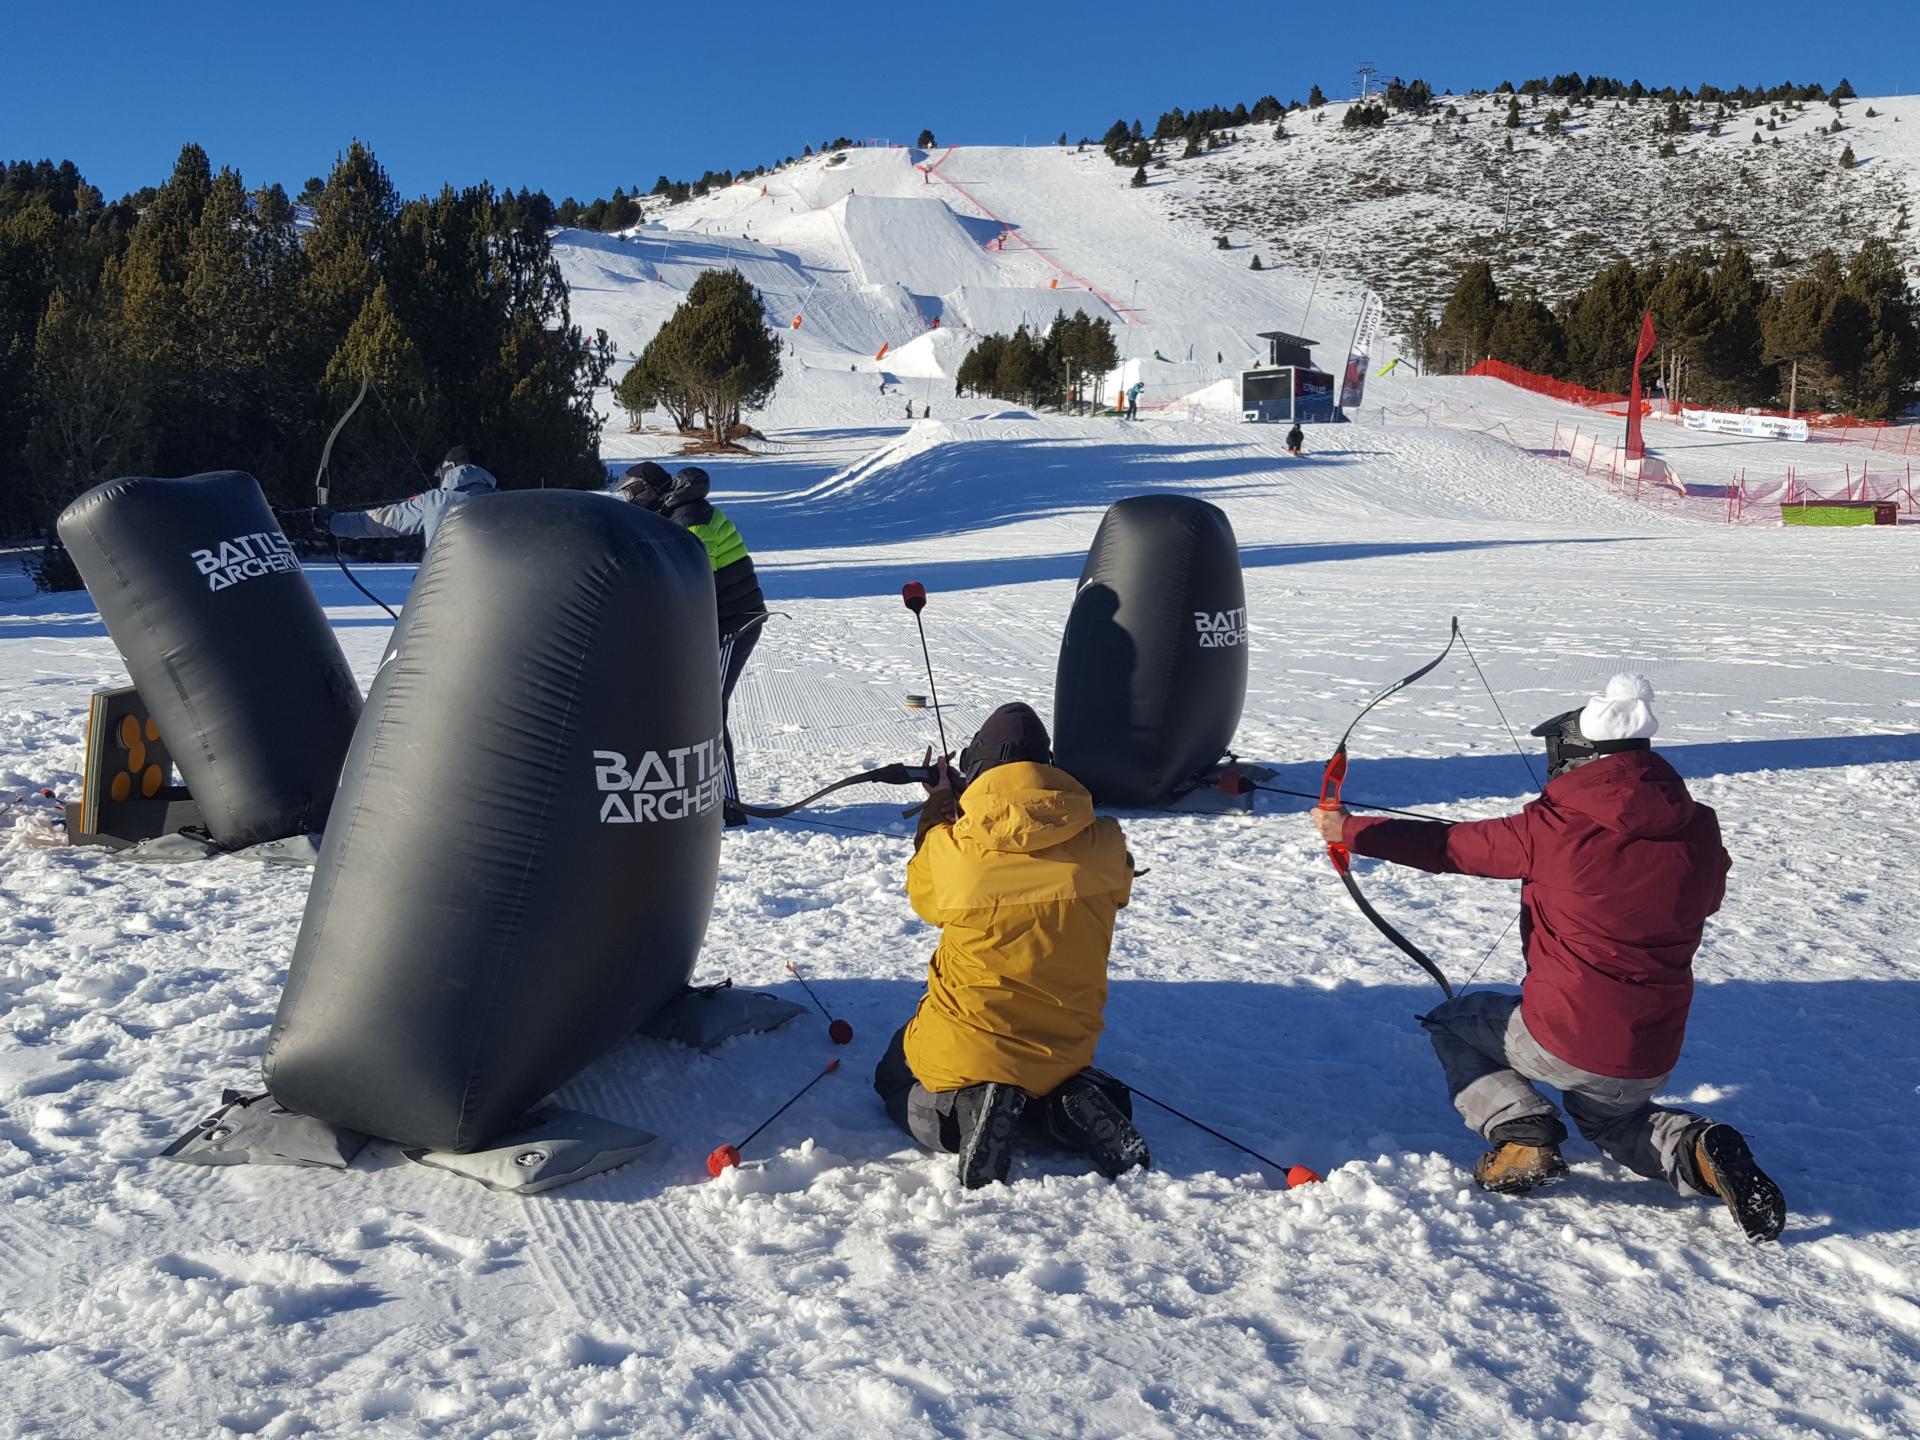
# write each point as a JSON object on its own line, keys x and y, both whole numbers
{"x": 943, "y": 790}
{"x": 306, "y": 524}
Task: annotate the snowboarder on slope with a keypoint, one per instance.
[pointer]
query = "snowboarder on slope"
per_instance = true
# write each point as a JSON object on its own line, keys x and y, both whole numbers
{"x": 1133, "y": 400}
{"x": 1296, "y": 438}
{"x": 1621, "y": 868}
{"x": 1025, "y": 884}
{"x": 423, "y": 514}
{"x": 682, "y": 499}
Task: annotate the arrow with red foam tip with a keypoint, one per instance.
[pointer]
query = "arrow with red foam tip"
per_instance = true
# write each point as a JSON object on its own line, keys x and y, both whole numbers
{"x": 1296, "y": 1175}
{"x": 839, "y": 1031}
{"x": 726, "y": 1157}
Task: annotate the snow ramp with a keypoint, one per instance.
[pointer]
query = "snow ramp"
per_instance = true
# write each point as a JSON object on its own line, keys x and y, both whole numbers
{"x": 920, "y": 244}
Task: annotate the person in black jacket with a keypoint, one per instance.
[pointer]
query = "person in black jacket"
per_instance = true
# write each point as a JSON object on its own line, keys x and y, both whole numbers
{"x": 682, "y": 499}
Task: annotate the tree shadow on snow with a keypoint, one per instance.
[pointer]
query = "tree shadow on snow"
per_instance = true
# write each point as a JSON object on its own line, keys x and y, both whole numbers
{"x": 1313, "y": 1075}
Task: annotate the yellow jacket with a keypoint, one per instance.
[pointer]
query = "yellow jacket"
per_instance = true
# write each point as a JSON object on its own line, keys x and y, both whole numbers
{"x": 1024, "y": 887}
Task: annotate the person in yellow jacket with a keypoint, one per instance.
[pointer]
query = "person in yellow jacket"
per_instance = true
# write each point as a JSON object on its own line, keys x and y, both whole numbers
{"x": 1025, "y": 884}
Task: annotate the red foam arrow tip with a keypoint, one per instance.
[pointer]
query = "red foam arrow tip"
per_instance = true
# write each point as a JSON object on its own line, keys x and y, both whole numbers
{"x": 724, "y": 1158}
{"x": 1301, "y": 1175}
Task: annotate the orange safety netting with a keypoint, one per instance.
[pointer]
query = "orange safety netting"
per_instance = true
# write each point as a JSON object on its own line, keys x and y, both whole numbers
{"x": 1546, "y": 384}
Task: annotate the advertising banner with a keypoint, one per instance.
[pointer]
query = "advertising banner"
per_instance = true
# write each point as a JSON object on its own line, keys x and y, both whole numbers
{"x": 1354, "y": 382}
{"x": 1726, "y": 422}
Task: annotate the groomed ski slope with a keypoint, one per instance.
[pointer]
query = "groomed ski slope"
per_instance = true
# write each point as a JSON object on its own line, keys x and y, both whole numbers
{"x": 840, "y": 1285}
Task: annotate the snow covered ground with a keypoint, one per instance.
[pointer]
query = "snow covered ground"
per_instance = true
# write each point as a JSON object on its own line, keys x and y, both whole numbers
{"x": 840, "y": 1284}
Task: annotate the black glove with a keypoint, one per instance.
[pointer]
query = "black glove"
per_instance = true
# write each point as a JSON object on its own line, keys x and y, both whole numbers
{"x": 306, "y": 524}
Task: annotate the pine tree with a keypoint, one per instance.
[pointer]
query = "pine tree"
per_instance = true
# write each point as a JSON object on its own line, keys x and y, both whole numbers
{"x": 1602, "y": 326}
{"x": 926, "y": 141}
{"x": 1256, "y": 264}
{"x": 1526, "y": 333}
{"x": 1466, "y": 324}
{"x": 1139, "y": 180}
{"x": 1315, "y": 99}
{"x": 1513, "y": 112}
{"x": 717, "y": 351}
{"x": 1847, "y": 160}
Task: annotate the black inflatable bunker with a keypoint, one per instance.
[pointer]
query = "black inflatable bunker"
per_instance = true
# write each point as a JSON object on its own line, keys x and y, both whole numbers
{"x": 225, "y": 641}
{"x": 1153, "y": 669}
{"x": 523, "y": 855}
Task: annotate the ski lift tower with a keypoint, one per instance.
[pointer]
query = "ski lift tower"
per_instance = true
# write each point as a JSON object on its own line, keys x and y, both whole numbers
{"x": 1364, "y": 75}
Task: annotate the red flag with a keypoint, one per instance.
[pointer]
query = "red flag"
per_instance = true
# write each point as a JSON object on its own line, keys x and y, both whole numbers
{"x": 1636, "y": 447}
{"x": 883, "y": 351}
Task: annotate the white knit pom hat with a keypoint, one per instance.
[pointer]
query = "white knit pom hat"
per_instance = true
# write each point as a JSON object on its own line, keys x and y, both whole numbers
{"x": 1622, "y": 711}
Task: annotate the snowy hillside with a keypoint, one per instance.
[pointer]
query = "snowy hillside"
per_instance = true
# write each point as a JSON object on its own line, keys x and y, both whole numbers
{"x": 919, "y": 251}
{"x": 872, "y": 251}
{"x": 1402, "y": 208}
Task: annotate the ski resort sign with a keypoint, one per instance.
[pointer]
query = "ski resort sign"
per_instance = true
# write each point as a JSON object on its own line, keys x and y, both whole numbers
{"x": 1725, "y": 422}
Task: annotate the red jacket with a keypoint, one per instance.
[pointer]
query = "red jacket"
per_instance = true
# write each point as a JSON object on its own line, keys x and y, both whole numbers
{"x": 1621, "y": 869}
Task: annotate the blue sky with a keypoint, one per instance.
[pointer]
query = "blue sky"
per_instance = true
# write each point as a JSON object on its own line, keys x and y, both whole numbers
{"x": 578, "y": 98}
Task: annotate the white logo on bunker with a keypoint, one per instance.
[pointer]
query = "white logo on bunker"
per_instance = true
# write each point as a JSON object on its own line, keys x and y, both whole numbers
{"x": 661, "y": 785}
{"x": 245, "y": 557}
{"x": 1221, "y": 628}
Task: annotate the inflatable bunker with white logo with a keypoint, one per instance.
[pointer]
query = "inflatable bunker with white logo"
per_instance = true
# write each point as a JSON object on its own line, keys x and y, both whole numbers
{"x": 523, "y": 854}
{"x": 226, "y": 643}
{"x": 1153, "y": 668}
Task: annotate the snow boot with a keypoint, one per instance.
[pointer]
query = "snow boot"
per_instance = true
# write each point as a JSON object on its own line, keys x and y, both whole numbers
{"x": 731, "y": 815}
{"x": 1514, "y": 1169}
{"x": 1082, "y": 1117}
{"x": 989, "y": 1115}
{"x": 1727, "y": 1166}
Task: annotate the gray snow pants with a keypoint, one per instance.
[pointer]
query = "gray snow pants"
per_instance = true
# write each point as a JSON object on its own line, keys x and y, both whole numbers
{"x": 1490, "y": 1059}
{"x": 932, "y": 1117}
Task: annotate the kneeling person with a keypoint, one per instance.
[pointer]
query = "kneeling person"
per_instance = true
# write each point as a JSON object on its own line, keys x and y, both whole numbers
{"x": 1621, "y": 868}
{"x": 1024, "y": 883}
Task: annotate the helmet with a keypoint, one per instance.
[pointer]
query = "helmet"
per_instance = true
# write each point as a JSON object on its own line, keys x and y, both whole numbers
{"x": 645, "y": 484}
{"x": 1568, "y": 748}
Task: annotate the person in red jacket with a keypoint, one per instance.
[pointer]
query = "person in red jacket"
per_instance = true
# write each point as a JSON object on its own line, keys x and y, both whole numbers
{"x": 1620, "y": 868}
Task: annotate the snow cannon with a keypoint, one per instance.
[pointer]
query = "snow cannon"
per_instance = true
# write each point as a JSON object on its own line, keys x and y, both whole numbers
{"x": 226, "y": 643}
{"x": 1153, "y": 668}
{"x": 525, "y": 847}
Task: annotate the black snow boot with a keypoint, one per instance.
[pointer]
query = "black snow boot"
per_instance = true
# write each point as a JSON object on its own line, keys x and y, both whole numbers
{"x": 1727, "y": 1166}
{"x": 1083, "y": 1117}
{"x": 731, "y": 815}
{"x": 989, "y": 1115}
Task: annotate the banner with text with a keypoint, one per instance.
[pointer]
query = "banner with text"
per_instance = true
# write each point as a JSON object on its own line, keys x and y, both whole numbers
{"x": 1353, "y": 383}
{"x": 1726, "y": 422}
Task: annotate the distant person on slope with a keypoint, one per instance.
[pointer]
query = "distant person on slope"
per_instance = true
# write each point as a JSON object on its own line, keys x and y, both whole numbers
{"x": 423, "y": 514}
{"x": 1296, "y": 438}
{"x": 1621, "y": 868}
{"x": 1025, "y": 884}
{"x": 1133, "y": 400}
{"x": 682, "y": 499}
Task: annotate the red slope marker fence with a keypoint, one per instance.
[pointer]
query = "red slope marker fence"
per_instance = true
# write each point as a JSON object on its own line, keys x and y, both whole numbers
{"x": 1007, "y": 228}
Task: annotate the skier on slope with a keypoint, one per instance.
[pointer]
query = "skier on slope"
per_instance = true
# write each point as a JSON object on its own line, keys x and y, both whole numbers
{"x": 682, "y": 499}
{"x": 1621, "y": 868}
{"x": 1296, "y": 439}
{"x": 423, "y": 514}
{"x": 1024, "y": 883}
{"x": 1133, "y": 400}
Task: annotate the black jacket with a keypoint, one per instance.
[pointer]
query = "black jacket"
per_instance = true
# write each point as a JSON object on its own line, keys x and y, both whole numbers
{"x": 736, "y": 586}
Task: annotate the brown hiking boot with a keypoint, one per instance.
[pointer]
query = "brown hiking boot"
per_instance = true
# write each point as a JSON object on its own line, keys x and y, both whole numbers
{"x": 1515, "y": 1169}
{"x": 1727, "y": 1166}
